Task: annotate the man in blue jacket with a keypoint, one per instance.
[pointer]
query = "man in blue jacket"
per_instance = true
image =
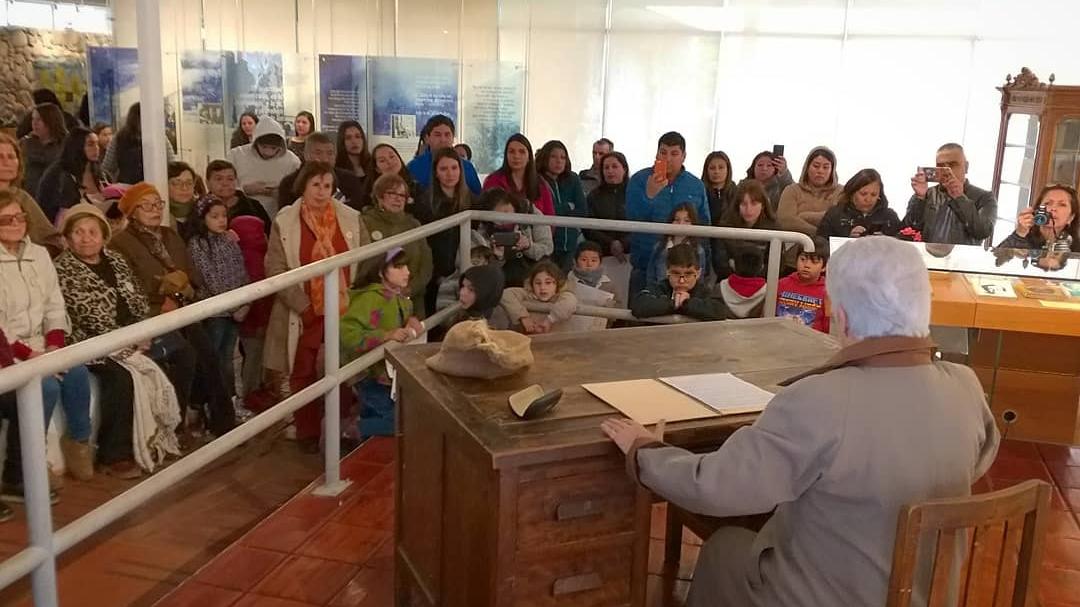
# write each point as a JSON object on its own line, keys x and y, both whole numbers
{"x": 652, "y": 197}
{"x": 438, "y": 133}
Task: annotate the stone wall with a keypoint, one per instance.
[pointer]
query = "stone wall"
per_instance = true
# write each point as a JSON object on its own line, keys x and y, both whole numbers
{"x": 21, "y": 48}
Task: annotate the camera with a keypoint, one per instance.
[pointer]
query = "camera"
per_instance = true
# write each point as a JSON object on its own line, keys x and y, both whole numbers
{"x": 1041, "y": 216}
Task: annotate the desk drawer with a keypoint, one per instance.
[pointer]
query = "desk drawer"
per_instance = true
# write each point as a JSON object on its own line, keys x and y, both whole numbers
{"x": 587, "y": 578}
{"x": 558, "y": 511}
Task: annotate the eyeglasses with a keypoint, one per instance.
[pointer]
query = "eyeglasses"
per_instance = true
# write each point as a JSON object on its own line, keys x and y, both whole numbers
{"x": 397, "y": 195}
{"x": 182, "y": 183}
{"x": 682, "y": 277}
{"x": 156, "y": 205}
{"x": 10, "y": 220}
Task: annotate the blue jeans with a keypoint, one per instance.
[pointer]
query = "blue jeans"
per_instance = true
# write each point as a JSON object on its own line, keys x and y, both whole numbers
{"x": 376, "y": 409}
{"x": 223, "y": 333}
{"x": 73, "y": 392}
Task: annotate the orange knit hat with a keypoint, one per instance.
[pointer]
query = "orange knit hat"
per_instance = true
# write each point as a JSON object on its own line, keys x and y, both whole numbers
{"x": 134, "y": 195}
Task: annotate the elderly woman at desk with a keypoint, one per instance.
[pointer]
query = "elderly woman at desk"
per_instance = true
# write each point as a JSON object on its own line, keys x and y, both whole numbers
{"x": 1052, "y": 222}
{"x": 833, "y": 452}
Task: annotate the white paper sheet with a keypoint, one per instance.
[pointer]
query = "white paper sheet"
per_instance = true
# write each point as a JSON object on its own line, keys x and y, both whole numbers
{"x": 721, "y": 392}
{"x": 992, "y": 286}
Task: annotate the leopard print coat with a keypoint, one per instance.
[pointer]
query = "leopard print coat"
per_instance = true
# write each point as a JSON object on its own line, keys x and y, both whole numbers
{"x": 91, "y": 302}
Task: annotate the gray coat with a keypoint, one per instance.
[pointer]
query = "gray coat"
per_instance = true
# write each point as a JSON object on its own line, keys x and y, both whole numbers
{"x": 837, "y": 454}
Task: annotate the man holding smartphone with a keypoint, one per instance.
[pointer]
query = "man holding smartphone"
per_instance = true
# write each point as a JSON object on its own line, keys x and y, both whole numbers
{"x": 954, "y": 211}
{"x": 653, "y": 194}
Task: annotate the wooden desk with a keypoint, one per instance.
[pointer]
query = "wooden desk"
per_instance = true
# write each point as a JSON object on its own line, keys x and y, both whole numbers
{"x": 495, "y": 511}
{"x": 1026, "y": 355}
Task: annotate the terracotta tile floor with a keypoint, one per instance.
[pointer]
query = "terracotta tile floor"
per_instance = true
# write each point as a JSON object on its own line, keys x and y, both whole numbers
{"x": 338, "y": 552}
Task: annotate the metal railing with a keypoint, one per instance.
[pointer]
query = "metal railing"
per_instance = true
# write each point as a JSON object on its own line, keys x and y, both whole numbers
{"x": 39, "y": 558}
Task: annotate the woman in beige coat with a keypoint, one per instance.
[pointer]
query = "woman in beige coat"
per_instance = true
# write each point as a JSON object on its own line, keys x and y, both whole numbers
{"x": 803, "y": 204}
{"x": 316, "y": 228}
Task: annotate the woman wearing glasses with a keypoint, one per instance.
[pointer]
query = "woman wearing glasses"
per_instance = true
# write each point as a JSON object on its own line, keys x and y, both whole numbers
{"x": 161, "y": 263}
{"x": 185, "y": 188}
{"x": 388, "y": 218}
{"x": 753, "y": 211}
{"x": 33, "y": 318}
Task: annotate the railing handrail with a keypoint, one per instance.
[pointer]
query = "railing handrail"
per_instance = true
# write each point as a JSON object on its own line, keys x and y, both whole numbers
{"x": 103, "y": 345}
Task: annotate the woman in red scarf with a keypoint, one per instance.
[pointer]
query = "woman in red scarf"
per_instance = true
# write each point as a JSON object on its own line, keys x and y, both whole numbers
{"x": 317, "y": 228}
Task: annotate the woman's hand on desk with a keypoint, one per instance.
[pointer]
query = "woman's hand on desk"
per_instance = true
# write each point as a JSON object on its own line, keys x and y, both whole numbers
{"x": 624, "y": 432}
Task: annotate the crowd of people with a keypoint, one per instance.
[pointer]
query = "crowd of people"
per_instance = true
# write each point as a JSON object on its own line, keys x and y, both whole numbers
{"x": 86, "y": 249}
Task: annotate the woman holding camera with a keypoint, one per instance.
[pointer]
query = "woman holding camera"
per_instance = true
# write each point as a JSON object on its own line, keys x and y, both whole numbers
{"x": 1051, "y": 222}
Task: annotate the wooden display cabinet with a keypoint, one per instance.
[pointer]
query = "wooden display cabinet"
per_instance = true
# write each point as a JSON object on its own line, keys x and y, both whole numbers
{"x": 1038, "y": 139}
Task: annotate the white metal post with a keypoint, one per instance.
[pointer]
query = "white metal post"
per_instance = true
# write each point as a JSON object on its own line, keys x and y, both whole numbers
{"x": 776, "y": 251}
{"x": 332, "y": 483}
{"x": 36, "y": 490}
{"x": 152, "y": 95}
{"x": 465, "y": 246}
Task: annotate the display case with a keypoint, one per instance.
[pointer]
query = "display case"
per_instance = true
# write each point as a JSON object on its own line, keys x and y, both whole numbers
{"x": 1038, "y": 139}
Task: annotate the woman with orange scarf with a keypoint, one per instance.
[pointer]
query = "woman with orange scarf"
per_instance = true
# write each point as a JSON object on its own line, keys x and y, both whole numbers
{"x": 317, "y": 228}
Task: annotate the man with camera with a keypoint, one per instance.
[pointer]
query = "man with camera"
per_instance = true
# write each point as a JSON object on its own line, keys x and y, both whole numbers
{"x": 954, "y": 211}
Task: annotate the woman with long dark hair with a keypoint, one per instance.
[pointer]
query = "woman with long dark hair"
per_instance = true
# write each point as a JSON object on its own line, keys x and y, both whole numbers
{"x": 75, "y": 177}
{"x": 608, "y": 201}
{"x": 245, "y": 130}
{"x": 753, "y": 211}
{"x": 303, "y": 125}
{"x": 43, "y": 145}
{"x": 862, "y": 210}
{"x": 123, "y": 158}
{"x": 385, "y": 159}
{"x": 447, "y": 195}
{"x": 352, "y": 149}
{"x": 719, "y": 184}
{"x": 567, "y": 195}
{"x": 771, "y": 172}
{"x": 1060, "y": 232}
{"x": 518, "y": 175}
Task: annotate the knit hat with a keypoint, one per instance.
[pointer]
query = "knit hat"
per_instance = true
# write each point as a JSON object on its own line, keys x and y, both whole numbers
{"x": 472, "y": 349}
{"x": 487, "y": 282}
{"x": 85, "y": 209}
{"x": 134, "y": 195}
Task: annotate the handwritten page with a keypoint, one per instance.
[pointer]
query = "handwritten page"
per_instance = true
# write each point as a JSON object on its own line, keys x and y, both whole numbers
{"x": 721, "y": 392}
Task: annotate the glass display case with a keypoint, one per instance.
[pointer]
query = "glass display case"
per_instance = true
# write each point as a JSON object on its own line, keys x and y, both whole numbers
{"x": 1038, "y": 140}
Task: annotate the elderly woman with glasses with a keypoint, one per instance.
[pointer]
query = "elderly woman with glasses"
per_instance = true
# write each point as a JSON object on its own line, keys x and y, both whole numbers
{"x": 160, "y": 260}
{"x": 388, "y": 218}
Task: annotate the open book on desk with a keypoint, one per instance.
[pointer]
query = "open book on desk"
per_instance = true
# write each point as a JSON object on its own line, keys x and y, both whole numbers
{"x": 675, "y": 399}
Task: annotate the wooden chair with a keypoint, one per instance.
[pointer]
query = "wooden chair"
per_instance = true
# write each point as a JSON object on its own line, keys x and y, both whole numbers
{"x": 1002, "y": 554}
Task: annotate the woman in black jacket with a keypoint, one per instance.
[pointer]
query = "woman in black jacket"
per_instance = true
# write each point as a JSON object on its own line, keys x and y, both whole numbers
{"x": 447, "y": 195}
{"x": 42, "y": 146}
{"x": 75, "y": 177}
{"x": 1060, "y": 227}
{"x": 862, "y": 210}
{"x": 752, "y": 211}
{"x": 608, "y": 201}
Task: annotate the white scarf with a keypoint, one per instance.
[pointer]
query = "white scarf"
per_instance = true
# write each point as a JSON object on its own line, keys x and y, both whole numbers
{"x": 156, "y": 412}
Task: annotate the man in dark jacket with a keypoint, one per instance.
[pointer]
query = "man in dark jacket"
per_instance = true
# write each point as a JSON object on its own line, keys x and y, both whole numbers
{"x": 319, "y": 147}
{"x": 591, "y": 177}
{"x": 954, "y": 211}
{"x": 682, "y": 292}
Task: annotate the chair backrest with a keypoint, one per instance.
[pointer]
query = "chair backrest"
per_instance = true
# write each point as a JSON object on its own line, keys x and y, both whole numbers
{"x": 1001, "y": 557}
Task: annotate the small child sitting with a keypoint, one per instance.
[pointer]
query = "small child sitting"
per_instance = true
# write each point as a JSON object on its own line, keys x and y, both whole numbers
{"x": 379, "y": 313}
{"x": 681, "y": 293}
{"x": 744, "y": 291}
{"x": 683, "y": 215}
{"x": 545, "y": 283}
{"x": 802, "y": 294}
{"x": 480, "y": 289}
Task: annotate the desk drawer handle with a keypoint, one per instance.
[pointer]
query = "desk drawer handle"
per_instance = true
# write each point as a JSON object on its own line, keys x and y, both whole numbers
{"x": 576, "y": 583}
{"x": 567, "y": 511}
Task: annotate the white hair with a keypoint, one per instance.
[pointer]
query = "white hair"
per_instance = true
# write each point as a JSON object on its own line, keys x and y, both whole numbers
{"x": 883, "y": 287}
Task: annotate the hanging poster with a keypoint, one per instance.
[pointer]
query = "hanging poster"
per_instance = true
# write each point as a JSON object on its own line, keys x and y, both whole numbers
{"x": 406, "y": 92}
{"x": 64, "y": 76}
{"x": 343, "y": 90}
{"x": 201, "y": 87}
{"x": 493, "y": 96}
{"x": 254, "y": 83}
{"x": 113, "y": 86}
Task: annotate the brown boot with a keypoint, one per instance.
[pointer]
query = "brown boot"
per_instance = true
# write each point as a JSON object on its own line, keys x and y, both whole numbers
{"x": 78, "y": 458}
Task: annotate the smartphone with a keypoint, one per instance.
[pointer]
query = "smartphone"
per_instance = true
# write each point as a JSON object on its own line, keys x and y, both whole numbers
{"x": 778, "y": 150}
{"x": 932, "y": 174}
{"x": 660, "y": 170}
{"x": 504, "y": 239}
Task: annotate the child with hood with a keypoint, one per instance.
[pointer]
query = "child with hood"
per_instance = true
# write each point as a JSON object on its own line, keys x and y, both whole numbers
{"x": 480, "y": 289}
{"x": 379, "y": 313}
{"x": 261, "y": 164}
{"x": 545, "y": 283}
{"x": 744, "y": 291}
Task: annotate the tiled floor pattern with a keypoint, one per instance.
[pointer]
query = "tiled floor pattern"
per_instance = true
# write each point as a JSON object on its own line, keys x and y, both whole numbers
{"x": 339, "y": 552}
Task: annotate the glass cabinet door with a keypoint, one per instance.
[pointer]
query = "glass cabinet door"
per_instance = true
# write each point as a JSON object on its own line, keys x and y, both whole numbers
{"x": 1066, "y": 154}
{"x": 1018, "y": 166}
